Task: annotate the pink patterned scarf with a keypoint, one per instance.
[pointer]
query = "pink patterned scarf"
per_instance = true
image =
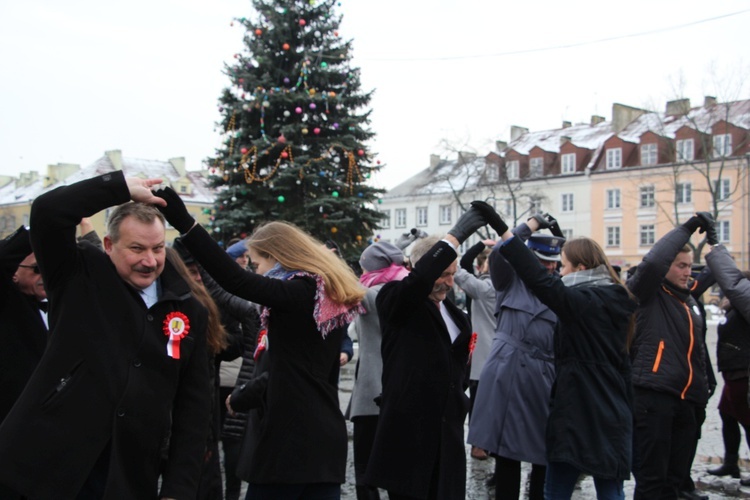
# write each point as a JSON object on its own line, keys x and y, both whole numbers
{"x": 394, "y": 272}
{"x": 328, "y": 314}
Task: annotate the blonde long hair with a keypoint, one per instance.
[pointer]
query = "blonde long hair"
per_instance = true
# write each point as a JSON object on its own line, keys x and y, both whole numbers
{"x": 294, "y": 249}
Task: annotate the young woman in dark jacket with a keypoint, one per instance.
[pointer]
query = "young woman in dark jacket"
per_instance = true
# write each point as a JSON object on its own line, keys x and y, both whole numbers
{"x": 590, "y": 426}
{"x": 307, "y": 294}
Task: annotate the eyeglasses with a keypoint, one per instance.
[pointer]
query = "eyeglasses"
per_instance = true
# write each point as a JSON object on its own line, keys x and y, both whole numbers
{"x": 34, "y": 268}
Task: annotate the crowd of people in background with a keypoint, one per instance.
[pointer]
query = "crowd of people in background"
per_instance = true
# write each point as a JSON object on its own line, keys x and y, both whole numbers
{"x": 131, "y": 366}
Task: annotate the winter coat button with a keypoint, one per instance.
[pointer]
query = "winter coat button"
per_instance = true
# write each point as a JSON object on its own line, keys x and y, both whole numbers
{"x": 150, "y": 318}
{"x": 137, "y": 363}
{"x": 121, "y": 412}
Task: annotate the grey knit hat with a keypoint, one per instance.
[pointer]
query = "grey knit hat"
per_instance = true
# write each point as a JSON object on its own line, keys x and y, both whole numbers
{"x": 380, "y": 255}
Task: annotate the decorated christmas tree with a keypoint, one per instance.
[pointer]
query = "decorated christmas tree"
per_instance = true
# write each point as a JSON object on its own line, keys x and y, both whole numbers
{"x": 295, "y": 124}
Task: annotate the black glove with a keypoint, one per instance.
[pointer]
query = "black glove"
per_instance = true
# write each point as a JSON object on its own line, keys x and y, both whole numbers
{"x": 491, "y": 217}
{"x": 175, "y": 211}
{"x": 541, "y": 219}
{"x": 708, "y": 224}
{"x": 701, "y": 220}
{"x": 470, "y": 221}
{"x": 554, "y": 227}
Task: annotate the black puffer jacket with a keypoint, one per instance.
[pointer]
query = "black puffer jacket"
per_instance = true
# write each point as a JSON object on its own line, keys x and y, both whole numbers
{"x": 733, "y": 348}
{"x": 668, "y": 351}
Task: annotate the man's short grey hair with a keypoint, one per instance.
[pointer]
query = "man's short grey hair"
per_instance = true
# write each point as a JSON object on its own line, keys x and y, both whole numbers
{"x": 422, "y": 246}
{"x": 146, "y": 214}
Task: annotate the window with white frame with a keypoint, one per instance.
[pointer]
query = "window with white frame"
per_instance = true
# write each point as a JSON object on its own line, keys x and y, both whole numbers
{"x": 647, "y": 197}
{"x": 722, "y": 145}
{"x": 614, "y": 158}
{"x": 722, "y": 231}
{"x": 508, "y": 207}
{"x": 569, "y": 163}
{"x": 685, "y": 150}
{"x": 722, "y": 189}
{"x": 535, "y": 205}
{"x": 536, "y": 167}
{"x": 613, "y": 199}
{"x": 491, "y": 172}
{"x": 647, "y": 234}
{"x": 385, "y": 222}
{"x": 649, "y": 154}
{"x": 567, "y": 233}
{"x": 684, "y": 192}
{"x": 421, "y": 216}
{"x": 400, "y": 217}
{"x": 613, "y": 236}
{"x": 446, "y": 213}
{"x": 567, "y": 202}
{"x": 512, "y": 170}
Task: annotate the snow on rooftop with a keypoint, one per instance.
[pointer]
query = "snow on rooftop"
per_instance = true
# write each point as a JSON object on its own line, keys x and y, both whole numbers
{"x": 15, "y": 192}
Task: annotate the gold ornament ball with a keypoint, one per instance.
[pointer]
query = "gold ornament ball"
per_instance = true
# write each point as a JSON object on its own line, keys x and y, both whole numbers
{"x": 334, "y": 230}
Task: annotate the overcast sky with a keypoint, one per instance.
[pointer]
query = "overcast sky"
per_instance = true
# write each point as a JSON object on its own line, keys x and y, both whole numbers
{"x": 144, "y": 76}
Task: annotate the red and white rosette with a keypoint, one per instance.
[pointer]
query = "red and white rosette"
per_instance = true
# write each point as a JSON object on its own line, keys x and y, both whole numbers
{"x": 472, "y": 345}
{"x": 176, "y": 325}
{"x": 262, "y": 344}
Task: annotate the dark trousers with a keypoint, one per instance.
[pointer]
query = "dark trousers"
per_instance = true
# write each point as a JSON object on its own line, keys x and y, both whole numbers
{"x": 316, "y": 491}
{"x": 700, "y": 417}
{"x": 232, "y": 483}
{"x": 363, "y": 437}
{"x": 664, "y": 441}
{"x": 508, "y": 480}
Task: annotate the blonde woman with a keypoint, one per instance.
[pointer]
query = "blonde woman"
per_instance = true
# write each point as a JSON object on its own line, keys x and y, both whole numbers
{"x": 298, "y": 448}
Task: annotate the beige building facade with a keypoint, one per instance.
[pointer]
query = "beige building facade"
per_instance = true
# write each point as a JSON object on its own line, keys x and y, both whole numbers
{"x": 17, "y": 194}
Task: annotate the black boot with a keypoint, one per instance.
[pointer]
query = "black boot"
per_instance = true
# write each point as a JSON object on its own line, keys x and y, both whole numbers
{"x": 728, "y": 468}
{"x": 367, "y": 493}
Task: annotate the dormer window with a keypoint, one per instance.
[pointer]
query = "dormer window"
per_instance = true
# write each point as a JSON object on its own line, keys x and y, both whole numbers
{"x": 512, "y": 170}
{"x": 649, "y": 154}
{"x": 685, "y": 150}
{"x": 536, "y": 167}
{"x": 614, "y": 158}
{"x": 569, "y": 163}
{"x": 722, "y": 145}
{"x": 491, "y": 173}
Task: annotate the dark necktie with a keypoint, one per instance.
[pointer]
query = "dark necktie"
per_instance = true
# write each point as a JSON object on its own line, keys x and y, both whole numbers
{"x": 43, "y": 306}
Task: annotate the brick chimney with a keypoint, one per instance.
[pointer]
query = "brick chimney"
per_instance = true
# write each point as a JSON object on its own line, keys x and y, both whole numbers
{"x": 596, "y": 120}
{"x": 179, "y": 165}
{"x": 623, "y": 115}
{"x": 434, "y": 161}
{"x": 709, "y": 101}
{"x": 566, "y": 124}
{"x": 516, "y": 132}
{"x": 56, "y": 173}
{"x": 678, "y": 107}
{"x": 501, "y": 146}
{"x": 115, "y": 156}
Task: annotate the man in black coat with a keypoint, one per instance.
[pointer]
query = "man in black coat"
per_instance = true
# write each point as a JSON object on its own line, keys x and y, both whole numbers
{"x": 418, "y": 451}
{"x": 125, "y": 374}
{"x": 23, "y": 322}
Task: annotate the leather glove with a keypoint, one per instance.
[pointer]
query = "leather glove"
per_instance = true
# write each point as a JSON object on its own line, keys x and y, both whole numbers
{"x": 554, "y": 227}
{"x": 701, "y": 220}
{"x": 175, "y": 211}
{"x": 708, "y": 224}
{"x": 541, "y": 219}
{"x": 491, "y": 217}
{"x": 470, "y": 221}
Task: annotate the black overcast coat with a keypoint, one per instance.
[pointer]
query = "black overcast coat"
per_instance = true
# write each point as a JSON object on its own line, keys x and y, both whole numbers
{"x": 423, "y": 407}
{"x": 23, "y": 334}
{"x": 106, "y": 377}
